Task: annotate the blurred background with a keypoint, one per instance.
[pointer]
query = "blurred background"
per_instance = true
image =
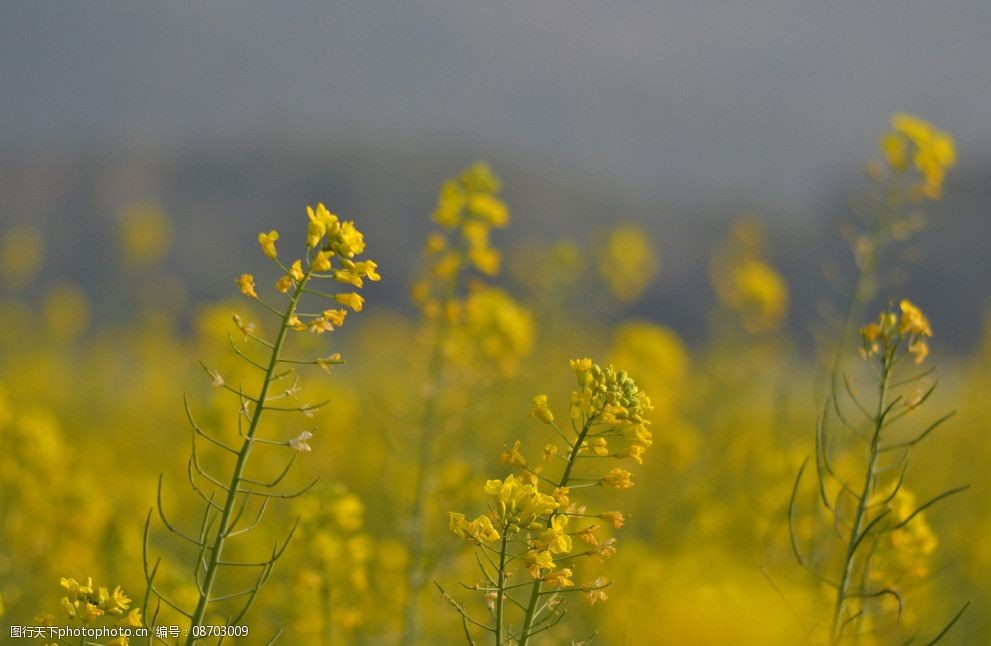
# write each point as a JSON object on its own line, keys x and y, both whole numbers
{"x": 684, "y": 180}
{"x": 677, "y": 116}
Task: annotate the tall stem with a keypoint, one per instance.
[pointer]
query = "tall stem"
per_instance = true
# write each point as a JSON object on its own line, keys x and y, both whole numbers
{"x": 415, "y": 570}
{"x": 501, "y": 592}
{"x": 223, "y": 530}
{"x": 531, "y": 609}
{"x": 858, "y": 520}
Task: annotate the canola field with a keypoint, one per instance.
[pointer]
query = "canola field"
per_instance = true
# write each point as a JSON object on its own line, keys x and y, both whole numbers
{"x": 504, "y": 462}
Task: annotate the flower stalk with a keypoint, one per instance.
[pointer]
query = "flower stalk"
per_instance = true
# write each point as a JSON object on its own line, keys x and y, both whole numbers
{"x": 227, "y": 498}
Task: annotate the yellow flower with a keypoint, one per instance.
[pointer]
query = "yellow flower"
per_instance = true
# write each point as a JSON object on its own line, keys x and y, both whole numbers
{"x": 606, "y": 549}
{"x": 581, "y": 367}
{"x": 283, "y": 284}
{"x": 368, "y": 269}
{"x": 450, "y": 202}
{"x": 132, "y": 619}
{"x": 535, "y": 561}
{"x": 913, "y": 321}
{"x": 513, "y": 456}
{"x": 116, "y": 602}
{"x": 559, "y": 577}
{"x": 247, "y": 284}
{"x": 479, "y": 178}
{"x": 540, "y": 409}
{"x": 932, "y": 151}
{"x": 45, "y": 619}
{"x": 496, "y": 329}
{"x": 296, "y": 271}
{"x": 518, "y": 504}
{"x": 320, "y": 325}
{"x": 346, "y": 241}
{"x": 68, "y": 607}
{"x": 480, "y": 530}
{"x": 919, "y": 349}
{"x": 21, "y": 253}
{"x": 627, "y": 262}
{"x": 336, "y": 317}
{"x": 485, "y": 259}
{"x": 635, "y": 452}
{"x": 72, "y": 587}
{"x": 490, "y": 209}
{"x": 457, "y": 523}
{"x": 322, "y": 261}
{"x": 596, "y": 592}
{"x": 599, "y": 446}
{"x": 436, "y": 242}
{"x": 320, "y": 220}
{"x": 555, "y": 538}
{"x": 267, "y": 242}
{"x": 761, "y": 294}
{"x": 145, "y": 233}
{"x": 893, "y": 145}
{"x": 587, "y": 534}
{"x": 616, "y": 518}
{"x": 348, "y": 276}
{"x": 90, "y": 612}
{"x": 352, "y": 300}
{"x": 119, "y": 641}
{"x": 618, "y": 478}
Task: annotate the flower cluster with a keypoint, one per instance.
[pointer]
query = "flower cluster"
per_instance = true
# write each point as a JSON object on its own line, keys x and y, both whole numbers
{"x": 470, "y": 206}
{"x": 627, "y": 262}
{"x": 468, "y": 209}
{"x": 884, "y": 536}
{"x": 332, "y": 250}
{"x": 909, "y": 547}
{"x": 745, "y": 281}
{"x": 337, "y": 244}
{"x": 915, "y": 144}
{"x": 495, "y": 330}
{"x": 87, "y": 603}
{"x": 537, "y": 530}
{"x": 335, "y": 554}
{"x": 481, "y": 325}
{"x": 890, "y": 331}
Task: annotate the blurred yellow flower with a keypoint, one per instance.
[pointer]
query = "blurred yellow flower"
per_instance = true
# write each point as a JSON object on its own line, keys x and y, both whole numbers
{"x": 21, "y": 252}
{"x": 913, "y": 321}
{"x": 618, "y": 478}
{"x": 932, "y": 151}
{"x": 247, "y": 284}
{"x": 540, "y": 409}
{"x": 627, "y": 262}
{"x": 145, "y": 233}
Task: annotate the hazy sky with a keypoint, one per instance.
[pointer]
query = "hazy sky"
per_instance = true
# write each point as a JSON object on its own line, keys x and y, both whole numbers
{"x": 752, "y": 95}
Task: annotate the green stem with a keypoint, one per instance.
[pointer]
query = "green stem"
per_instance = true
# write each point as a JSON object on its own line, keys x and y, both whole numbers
{"x": 415, "y": 570}
{"x": 531, "y": 609}
{"x": 862, "y": 503}
{"x": 501, "y": 592}
{"x": 328, "y": 606}
{"x": 224, "y": 528}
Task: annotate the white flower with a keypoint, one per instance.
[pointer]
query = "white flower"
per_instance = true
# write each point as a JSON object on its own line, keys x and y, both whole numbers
{"x": 217, "y": 381}
{"x": 293, "y": 390}
{"x": 299, "y": 443}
